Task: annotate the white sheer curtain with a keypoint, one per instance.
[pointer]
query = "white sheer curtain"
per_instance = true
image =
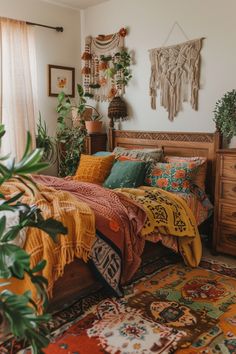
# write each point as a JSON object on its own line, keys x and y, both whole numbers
{"x": 19, "y": 105}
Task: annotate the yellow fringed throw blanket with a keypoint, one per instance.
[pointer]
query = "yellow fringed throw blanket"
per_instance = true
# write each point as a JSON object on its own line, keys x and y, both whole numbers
{"x": 168, "y": 214}
{"x": 75, "y": 215}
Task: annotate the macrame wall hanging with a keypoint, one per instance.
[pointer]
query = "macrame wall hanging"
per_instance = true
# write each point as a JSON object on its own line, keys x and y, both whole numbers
{"x": 175, "y": 70}
{"x": 102, "y": 79}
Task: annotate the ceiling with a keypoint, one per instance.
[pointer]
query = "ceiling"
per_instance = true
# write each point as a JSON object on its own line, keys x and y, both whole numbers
{"x": 75, "y": 4}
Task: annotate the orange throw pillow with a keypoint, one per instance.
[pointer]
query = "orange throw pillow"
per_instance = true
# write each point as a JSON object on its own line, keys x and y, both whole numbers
{"x": 94, "y": 169}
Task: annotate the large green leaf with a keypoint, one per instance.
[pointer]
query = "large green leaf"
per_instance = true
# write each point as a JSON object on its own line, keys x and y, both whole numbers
{"x": 28, "y": 145}
{"x": 39, "y": 267}
{"x": 52, "y": 227}
{"x": 13, "y": 261}
{"x": 2, "y": 130}
{"x": 61, "y": 97}
{"x": 2, "y": 225}
{"x": 20, "y": 310}
{"x": 80, "y": 90}
{"x": 24, "y": 322}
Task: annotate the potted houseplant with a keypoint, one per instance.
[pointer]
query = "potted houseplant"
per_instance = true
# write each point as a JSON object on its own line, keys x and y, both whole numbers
{"x": 18, "y": 313}
{"x": 225, "y": 115}
{"x": 73, "y": 110}
{"x": 94, "y": 124}
{"x": 45, "y": 141}
{"x": 71, "y": 130}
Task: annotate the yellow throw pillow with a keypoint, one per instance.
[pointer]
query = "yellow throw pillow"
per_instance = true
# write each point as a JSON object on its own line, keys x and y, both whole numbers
{"x": 94, "y": 169}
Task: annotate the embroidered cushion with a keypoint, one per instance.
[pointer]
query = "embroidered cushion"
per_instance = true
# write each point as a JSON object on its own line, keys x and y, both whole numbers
{"x": 172, "y": 177}
{"x": 94, "y": 169}
{"x": 140, "y": 154}
{"x": 200, "y": 176}
{"x": 126, "y": 174}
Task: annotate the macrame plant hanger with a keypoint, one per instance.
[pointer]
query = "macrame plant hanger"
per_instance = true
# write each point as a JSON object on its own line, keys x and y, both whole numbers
{"x": 175, "y": 72}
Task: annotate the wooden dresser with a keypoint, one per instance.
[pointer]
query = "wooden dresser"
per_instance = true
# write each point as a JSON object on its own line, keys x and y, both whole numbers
{"x": 95, "y": 142}
{"x": 225, "y": 202}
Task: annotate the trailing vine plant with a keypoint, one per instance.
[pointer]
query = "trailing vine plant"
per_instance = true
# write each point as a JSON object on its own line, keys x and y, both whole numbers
{"x": 119, "y": 69}
{"x": 71, "y": 131}
{"x": 70, "y": 147}
{"x": 20, "y": 311}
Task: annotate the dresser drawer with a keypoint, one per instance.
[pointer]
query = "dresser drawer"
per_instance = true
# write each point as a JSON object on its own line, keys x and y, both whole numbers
{"x": 228, "y": 166}
{"x": 228, "y": 190}
{"x": 227, "y": 214}
{"x": 226, "y": 239}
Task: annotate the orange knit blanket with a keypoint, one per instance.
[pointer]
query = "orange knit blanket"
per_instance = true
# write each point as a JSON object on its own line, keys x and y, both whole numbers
{"x": 75, "y": 215}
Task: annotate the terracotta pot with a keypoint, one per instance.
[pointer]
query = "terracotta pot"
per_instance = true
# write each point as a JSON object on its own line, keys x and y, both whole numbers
{"x": 93, "y": 126}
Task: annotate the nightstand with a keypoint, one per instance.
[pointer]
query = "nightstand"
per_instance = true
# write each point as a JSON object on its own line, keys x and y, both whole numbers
{"x": 95, "y": 142}
{"x": 224, "y": 239}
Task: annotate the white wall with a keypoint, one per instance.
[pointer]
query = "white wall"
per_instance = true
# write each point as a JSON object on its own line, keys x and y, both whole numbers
{"x": 51, "y": 47}
{"x": 149, "y": 23}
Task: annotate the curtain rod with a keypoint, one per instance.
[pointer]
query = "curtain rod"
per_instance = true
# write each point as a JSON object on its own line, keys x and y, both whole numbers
{"x": 58, "y": 29}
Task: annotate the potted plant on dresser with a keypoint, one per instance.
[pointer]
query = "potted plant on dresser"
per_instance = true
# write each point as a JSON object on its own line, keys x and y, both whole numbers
{"x": 94, "y": 123}
{"x": 225, "y": 117}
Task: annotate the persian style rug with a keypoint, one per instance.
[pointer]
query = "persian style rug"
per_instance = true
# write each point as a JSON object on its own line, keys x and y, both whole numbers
{"x": 174, "y": 309}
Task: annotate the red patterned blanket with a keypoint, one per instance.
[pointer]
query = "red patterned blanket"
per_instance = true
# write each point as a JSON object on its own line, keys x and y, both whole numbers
{"x": 117, "y": 217}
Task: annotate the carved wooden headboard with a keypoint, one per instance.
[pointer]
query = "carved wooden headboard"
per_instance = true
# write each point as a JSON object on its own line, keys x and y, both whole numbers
{"x": 173, "y": 143}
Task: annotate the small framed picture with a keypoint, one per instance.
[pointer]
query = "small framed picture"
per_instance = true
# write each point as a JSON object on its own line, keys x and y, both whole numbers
{"x": 61, "y": 78}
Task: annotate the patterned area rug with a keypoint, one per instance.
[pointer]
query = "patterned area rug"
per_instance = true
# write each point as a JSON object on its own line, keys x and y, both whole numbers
{"x": 177, "y": 309}
{"x": 173, "y": 310}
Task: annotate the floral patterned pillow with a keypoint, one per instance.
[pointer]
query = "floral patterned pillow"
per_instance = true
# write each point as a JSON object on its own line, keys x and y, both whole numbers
{"x": 200, "y": 177}
{"x": 173, "y": 177}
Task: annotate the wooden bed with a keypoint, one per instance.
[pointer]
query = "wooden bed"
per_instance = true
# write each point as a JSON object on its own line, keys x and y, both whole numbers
{"x": 78, "y": 281}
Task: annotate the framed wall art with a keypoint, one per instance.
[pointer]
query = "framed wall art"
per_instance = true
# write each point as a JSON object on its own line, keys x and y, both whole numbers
{"x": 61, "y": 78}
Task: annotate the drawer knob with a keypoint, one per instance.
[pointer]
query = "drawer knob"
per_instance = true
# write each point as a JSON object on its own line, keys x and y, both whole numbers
{"x": 234, "y": 214}
{"x": 234, "y": 189}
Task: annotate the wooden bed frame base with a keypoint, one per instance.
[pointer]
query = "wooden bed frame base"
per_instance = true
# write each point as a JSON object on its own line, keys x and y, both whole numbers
{"x": 78, "y": 281}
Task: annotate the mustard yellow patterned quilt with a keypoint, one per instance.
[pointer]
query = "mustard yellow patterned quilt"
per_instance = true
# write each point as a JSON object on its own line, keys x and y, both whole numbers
{"x": 168, "y": 214}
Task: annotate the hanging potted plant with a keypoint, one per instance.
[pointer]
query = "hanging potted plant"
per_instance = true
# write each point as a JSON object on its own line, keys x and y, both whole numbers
{"x": 225, "y": 116}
